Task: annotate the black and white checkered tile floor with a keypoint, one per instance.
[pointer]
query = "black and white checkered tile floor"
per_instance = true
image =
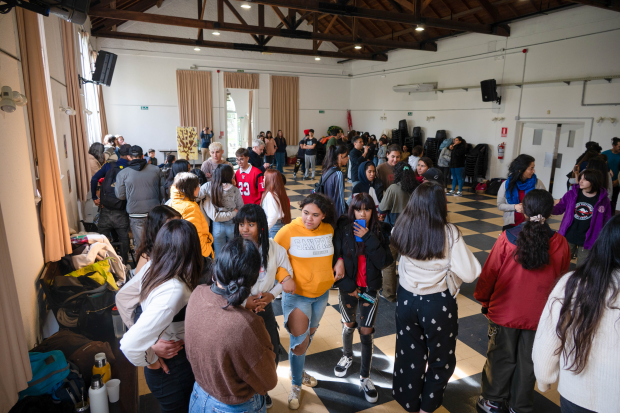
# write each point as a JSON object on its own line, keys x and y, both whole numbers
{"x": 480, "y": 223}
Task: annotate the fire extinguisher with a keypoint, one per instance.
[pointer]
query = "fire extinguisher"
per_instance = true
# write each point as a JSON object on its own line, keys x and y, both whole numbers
{"x": 500, "y": 150}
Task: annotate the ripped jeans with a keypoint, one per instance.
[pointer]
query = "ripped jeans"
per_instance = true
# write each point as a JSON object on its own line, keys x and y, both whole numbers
{"x": 313, "y": 308}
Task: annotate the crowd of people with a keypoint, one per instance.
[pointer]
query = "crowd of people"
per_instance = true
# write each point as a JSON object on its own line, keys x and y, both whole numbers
{"x": 216, "y": 246}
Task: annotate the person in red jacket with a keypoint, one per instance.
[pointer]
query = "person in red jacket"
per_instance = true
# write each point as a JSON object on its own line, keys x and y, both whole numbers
{"x": 250, "y": 180}
{"x": 513, "y": 288}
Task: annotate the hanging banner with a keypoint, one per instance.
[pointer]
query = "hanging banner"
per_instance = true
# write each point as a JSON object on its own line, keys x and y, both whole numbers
{"x": 187, "y": 143}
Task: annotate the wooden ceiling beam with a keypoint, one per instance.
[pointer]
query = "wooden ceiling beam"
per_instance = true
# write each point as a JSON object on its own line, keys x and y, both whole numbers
{"x": 239, "y": 46}
{"x": 489, "y": 8}
{"x": 201, "y": 15}
{"x": 329, "y": 27}
{"x": 280, "y": 15}
{"x": 297, "y": 24}
{"x": 613, "y": 5}
{"x": 241, "y": 19}
{"x": 137, "y": 7}
{"x": 364, "y": 13}
{"x": 124, "y": 15}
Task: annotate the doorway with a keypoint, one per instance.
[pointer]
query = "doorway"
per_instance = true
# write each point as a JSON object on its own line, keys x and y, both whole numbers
{"x": 239, "y": 119}
{"x": 556, "y": 147}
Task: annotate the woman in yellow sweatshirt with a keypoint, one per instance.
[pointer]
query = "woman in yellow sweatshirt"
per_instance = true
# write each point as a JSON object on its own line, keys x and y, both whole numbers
{"x": 183, "y": 193}
{"x": 308, "y": 241}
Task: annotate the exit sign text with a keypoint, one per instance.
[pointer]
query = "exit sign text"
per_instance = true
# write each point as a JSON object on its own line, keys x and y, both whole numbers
{"x": 144, "y": 108}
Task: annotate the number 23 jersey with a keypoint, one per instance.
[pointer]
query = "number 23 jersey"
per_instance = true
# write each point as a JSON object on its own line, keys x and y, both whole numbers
{"x": 251, "y": 184}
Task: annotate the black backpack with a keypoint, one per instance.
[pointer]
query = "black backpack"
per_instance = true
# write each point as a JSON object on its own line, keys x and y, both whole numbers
{"x": 494, "y": 185}
{"x": 319, "y": 188}
{"x": 106, "y": 193}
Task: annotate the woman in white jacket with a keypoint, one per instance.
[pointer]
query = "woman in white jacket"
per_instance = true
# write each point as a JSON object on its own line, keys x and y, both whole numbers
{"x": 434, "y": 262}
{"x": 275, "y": 202}
{"x": 164, "y": 285}
{"x": 578, "y": 339}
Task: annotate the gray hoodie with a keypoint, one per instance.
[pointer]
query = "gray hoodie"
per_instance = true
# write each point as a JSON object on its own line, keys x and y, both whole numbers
{"x": 142, "y": 185}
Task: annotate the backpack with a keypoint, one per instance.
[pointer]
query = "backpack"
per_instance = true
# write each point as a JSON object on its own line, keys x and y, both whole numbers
{"x": 106, "y": 194}
{"x": 48, "y": 370}
{"x": 493, "y": 186}
{"x": 319, "y": 188}
{"x": 71, "y": 388}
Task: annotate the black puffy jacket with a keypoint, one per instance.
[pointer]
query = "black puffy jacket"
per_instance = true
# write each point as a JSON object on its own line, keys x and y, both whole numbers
{"x": 459, "y": 152}
{"x": 378, "y": 255}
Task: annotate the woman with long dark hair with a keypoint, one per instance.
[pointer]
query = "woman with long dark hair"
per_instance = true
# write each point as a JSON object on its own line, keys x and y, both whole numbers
{"x": 586, "y": 209}
{"x": 308, "y": 242}
{"x": 459, "y": 150}
{"x": 524, "y": 264}
{"x": 275, "y": 202}
{"x": 165, "y": 285}
{"x": 397, "y": 195}
{"x": 424, "y": 164}
{"x": 332, "y": 177}
{"x": 228, "y": 346}
{"x": 158, "y": 216}
{"x": 432, "y": 268}
{"x": 96, "y": 159}
{"x": 368, "y": 182}
{"x": 280, "y": 151}
{"x": 179, "y": 166}
{"x": 578, "y": 339}
{"x": 521, "y": 180}
{"x": 365, "y": 251}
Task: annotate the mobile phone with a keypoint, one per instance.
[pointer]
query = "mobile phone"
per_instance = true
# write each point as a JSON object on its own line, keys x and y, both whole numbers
{"x": 367, "y": 298}
{"x": 362, "y": 223}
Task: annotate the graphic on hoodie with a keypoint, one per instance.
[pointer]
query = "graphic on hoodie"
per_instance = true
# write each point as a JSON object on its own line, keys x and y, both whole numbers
{"x": 583, "y": 211}
{"x": 311, "y": 247}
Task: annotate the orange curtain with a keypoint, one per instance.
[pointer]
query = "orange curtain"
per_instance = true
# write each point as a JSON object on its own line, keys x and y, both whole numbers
{"x": 250, "y": 121}
{"x": 53, "y": 214}
{"x": 195, "y": 99}
{"x": 102, "y": 116}
{"x": 237, "y": 80}
{"x": 285, "y": 107}
{"x": 79, "y": 138}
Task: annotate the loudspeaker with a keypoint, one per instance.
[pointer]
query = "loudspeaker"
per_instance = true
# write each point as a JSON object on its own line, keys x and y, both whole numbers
{"x": 104, "y": 68}
{"x": 489, "y": 91}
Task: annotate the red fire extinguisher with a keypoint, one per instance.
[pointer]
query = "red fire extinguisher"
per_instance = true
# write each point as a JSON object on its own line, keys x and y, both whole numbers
{"x": 500, "y": 150}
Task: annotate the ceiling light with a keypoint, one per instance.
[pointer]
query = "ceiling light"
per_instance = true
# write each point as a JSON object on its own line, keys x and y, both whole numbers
{"x": 197, "y": 48}
{"x": 246, "y": 5}
{"x": 419, "y": 28}
{"x": 215, "y": 33}
{"x": 357, "y": 46}
{"x": 317, "y": 58}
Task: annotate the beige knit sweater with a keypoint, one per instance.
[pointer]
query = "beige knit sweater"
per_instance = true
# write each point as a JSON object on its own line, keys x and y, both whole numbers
{"x": 597, "y": 387}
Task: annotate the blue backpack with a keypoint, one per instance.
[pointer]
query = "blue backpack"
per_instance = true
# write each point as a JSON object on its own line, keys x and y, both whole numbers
{"x": 48, "y": 370}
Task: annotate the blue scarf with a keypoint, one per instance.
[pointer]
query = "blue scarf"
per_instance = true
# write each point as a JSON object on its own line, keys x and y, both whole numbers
{"x": 527, "y": 186}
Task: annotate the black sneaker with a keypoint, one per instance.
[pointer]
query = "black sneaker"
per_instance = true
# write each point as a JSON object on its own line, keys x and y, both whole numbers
{"x": 370, "y": 392}
{"x": 343, "y": 365}
{"x": 487, "y": 406}
{"x": 268, "y": 401}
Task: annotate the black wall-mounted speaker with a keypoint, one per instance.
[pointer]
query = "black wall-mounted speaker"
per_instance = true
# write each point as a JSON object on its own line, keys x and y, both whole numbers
{"x": 489, "y": 91}
{"x": 104, "y": 68}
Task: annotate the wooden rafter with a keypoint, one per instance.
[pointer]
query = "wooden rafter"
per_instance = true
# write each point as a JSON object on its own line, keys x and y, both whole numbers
{"x": 329, "y": 26}
{"x": 240, "y": 18}
{"x": 201, "y": 15}
{"x": 283, "y": 19}
{"x": 489, "y": 8}
{"x": 613, "y": 5}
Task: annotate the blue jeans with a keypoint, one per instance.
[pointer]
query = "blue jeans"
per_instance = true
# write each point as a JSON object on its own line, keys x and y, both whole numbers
{"x": 222, "y": 233}
{"x": 280, "y": 161}
{"x": 203, "y": 402}
{"x": 313, "y": 308}
{"x": 276, "y": 227}
{"x": 457, "y": 177}
{"x": 173, "y": 390}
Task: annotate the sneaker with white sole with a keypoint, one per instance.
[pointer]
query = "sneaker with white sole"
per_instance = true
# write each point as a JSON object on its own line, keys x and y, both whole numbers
{"x": 343, "y": 365}
{"x": 458, "y": 194}
{"x": 450, "y": 192}
{"x": 370, "y": 392}
{"x": 487, "y": 406}
{"x": 294, "y": 397}
{"x": 268, "y": 401}
{"x": 307, "y": 380}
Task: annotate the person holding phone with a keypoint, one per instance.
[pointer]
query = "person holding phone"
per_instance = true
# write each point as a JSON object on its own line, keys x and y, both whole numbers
{"x": 362, "y": 243}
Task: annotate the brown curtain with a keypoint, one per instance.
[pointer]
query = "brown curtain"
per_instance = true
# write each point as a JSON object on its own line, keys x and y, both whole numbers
{"x": 285, "y": 107}
{"x": 195, "y": 99}
{"x": 14, "y": 355}
{"x": 102, "y": 116}
{"x": 250, "y": 121}
{"x": 237, "y": 80}
{"x": 53, "y": 214}
{"x": 79, "y": 138}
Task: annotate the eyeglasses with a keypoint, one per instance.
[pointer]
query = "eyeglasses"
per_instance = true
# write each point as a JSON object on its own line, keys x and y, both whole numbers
{"x": 240, "y": 159}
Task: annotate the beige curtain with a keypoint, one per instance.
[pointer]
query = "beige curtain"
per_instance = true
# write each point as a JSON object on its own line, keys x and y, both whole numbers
{"x": 79, "y": 138}
{"x": 285, "y": 107}
{"x": 102, "y": 116}
{"x": 250, "y": 137}
{"x": 237, "y": 80}
{"x": 16, "y": 371}
{"x": 195, "y": 101}
{"x": 53, "y": 214}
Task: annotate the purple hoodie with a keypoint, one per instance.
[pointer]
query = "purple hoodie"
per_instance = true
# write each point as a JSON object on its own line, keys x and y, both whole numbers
{"x": 600, "y": 216}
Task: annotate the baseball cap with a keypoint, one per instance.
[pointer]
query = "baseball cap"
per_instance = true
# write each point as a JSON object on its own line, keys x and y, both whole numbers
{"x": 434, "y": 175}
{"x": 136, "y": 151}
{"x": 124, "y": 150}
{"x": 306, "y": 131}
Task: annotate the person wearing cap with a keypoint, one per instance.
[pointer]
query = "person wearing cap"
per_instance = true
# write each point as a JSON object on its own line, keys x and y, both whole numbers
{"x": 151, "y": 159}
{"x": 309, "y": 145}
{"x": 433, "y": 175}
{"x": 142, "y": 185}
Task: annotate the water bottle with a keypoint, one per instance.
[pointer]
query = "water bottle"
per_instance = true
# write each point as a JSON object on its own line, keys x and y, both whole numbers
{"x": 98, "y": 395}
{"x": 119, "y": 327}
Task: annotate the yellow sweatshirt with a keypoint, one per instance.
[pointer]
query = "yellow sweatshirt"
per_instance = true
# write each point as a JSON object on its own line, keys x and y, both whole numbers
{"x": 190, "y": 211}
{"x": 311, "y": 254}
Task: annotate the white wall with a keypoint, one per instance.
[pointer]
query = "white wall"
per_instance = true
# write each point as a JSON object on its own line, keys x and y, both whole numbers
{"x": 579, "y": 42}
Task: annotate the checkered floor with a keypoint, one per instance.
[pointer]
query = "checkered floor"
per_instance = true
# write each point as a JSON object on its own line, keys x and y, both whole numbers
{"x": 480, "y": 223}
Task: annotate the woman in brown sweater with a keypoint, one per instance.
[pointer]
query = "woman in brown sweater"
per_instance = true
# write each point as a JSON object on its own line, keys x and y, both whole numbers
{"x": 227, "y": 345}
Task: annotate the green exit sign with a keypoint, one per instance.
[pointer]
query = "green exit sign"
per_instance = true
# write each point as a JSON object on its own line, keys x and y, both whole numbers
{"x": 321, "y": 111}
{"x": 409, "y": 113}
{"x": 240, "y": 70}
{"x": 144, "y": 108}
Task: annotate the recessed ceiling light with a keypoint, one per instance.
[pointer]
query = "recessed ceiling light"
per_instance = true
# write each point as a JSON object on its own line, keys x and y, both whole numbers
{"x": 246, "y": 6}
{"x": 215, "y": 33}
{"x": 317, "y": 58}
{"x": 419, "y": 28}
{"x": 197, "y": 48}
{"x": 357, "y": 46}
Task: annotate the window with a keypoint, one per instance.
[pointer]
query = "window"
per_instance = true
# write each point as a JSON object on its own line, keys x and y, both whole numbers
{"x": 571, "y": 139}
{"x": 90, "y": 91}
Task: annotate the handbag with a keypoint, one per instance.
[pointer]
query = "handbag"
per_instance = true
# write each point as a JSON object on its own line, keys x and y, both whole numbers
{"x": 90, "y": 312}
{"x": 452, "y": 281}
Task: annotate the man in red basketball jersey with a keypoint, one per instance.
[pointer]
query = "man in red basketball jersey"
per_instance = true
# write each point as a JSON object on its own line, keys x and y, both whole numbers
{"x": 250, "y": 180}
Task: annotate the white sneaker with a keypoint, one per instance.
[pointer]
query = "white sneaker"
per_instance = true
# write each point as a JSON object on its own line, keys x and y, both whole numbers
{"x": 458, "y": 194}
{"x": 450, "y": 192}
{"x": 370, "y": 392}
{"x": 294, "y": 397}
{"x": 309, "y": 381}
{"x": 343, "y": 365}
